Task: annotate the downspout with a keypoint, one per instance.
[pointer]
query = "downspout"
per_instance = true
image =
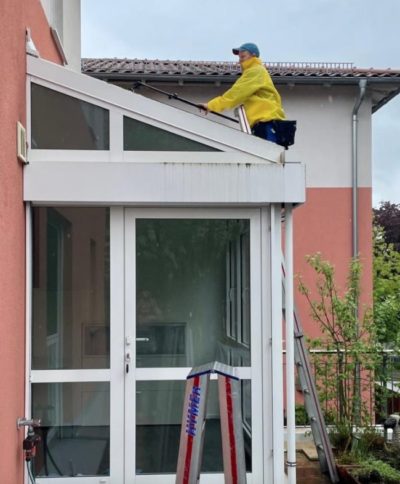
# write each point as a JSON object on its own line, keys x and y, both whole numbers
{"x": 355, "y": 249}
{"x": 354, "y": 165}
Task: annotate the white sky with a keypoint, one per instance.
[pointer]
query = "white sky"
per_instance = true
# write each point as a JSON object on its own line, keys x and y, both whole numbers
{"x": 365, "y": 32}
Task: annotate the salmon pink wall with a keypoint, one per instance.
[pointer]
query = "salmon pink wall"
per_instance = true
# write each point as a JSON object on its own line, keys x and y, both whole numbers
{"x": 15, "y": 16}
{"x": 324, "y": 224}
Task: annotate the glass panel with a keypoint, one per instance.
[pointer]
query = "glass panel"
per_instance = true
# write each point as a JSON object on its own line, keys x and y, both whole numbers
{"x": 245, "y": 287}
{"x": 232, "y": 295}
{"x": 183, "y": 290}
{"x": 159, "y": 406}
{"x": 71, "y": 288}
{"x": 246, "y": 405}
{"x": 139, "y": 136}
{"x": 75, "y": 430}
{"x": 61, "y": 122}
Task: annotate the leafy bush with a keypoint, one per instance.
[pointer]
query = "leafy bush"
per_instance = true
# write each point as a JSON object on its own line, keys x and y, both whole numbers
{"x": 348, "y": 352}
{"x": 301, "y": 415}
{"x": 375, "y": 470}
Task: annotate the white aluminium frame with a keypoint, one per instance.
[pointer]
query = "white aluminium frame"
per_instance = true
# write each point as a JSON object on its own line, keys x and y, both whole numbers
{"x": 254, "y": 372}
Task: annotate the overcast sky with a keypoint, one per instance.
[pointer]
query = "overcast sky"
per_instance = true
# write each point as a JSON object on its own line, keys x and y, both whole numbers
{"x": 365, "y": 32}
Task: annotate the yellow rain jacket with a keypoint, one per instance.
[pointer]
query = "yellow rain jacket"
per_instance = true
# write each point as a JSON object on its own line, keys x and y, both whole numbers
{"x": 255, "y": 90}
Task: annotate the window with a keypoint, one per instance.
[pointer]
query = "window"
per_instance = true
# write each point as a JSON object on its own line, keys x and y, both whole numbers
{"x": 238, "y": 288}
{"x": 71, "y": 288}
{"x": 61, "y": 122}
{"x": 139, "y": 136}
{"x": 181, "y": 297}
{"x": 75, "y": 428}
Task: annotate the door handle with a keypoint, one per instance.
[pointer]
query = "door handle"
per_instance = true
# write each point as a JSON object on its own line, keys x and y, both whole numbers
{"x": 127, "y": 361}
{"x": 143, "y": 340}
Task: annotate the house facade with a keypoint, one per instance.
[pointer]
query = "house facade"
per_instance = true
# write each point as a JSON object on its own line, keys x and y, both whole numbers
{"x": 325, "y": 99}
{"x": 15, "y": 18}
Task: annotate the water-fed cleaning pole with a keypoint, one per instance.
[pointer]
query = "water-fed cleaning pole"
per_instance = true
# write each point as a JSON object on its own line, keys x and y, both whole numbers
{"x": 175, "y": 96}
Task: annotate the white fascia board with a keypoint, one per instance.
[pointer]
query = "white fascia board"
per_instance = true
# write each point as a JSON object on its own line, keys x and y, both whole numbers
{"x": 201, "y": 157}
{"x": 163, "y": 184}
{"x": 189, "y": 125}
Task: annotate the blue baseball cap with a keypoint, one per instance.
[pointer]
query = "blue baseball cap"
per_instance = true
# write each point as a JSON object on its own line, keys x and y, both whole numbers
{"x": 250, "y": 47}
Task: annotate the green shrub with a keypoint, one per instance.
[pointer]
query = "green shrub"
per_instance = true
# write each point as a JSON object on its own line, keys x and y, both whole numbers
{"x": 374, "y": 470}
{"x": 370, "y": 440}
{"x": 301, "y": 415}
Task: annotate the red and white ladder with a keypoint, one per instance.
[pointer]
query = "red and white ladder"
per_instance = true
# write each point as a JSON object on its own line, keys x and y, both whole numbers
{"x": 194, "y": 421}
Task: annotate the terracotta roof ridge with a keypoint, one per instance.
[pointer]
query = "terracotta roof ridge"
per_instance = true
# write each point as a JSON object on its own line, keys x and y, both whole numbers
{"x": 281, "y": 64}
{"x": 168, "y": 67}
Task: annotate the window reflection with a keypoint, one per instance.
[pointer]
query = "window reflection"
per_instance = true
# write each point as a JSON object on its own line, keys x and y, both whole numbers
{"x": 193, "y": 292}
{"x": 75, "y": 429}
{"x": 71, "y": 288}
{"x": 139, "y": 136}
{"x": 62, "y": 122}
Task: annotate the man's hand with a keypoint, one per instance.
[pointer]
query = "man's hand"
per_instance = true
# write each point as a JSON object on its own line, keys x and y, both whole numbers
{"x": 204, "y": 108}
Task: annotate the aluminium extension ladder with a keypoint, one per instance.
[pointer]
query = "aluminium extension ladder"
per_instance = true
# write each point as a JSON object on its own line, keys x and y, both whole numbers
{"x": 194, "y": 419}
{"x": 311, "y": 401}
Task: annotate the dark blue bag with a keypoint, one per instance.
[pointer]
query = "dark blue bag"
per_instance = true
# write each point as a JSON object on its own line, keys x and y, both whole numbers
{"x": 285, "y": 132}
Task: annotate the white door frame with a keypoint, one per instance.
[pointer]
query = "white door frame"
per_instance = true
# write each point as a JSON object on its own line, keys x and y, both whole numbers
{"x": 254, "y": 372}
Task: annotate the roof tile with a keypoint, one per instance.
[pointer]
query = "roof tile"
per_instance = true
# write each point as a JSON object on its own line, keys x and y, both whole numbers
{"x": 215, "y": 68}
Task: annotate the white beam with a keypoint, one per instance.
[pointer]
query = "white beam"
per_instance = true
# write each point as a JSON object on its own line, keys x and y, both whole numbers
{"x": 149, "y": 184}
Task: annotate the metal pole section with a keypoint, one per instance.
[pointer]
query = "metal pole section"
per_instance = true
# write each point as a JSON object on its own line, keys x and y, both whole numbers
{"x": 28, "y": 310}
{"x": 354, "y": 164}
{"x": 277, "y": 429}
{"x": 290, "y": 367}
{"x": 244, "y": 123}
{"x": 185, "y": 101}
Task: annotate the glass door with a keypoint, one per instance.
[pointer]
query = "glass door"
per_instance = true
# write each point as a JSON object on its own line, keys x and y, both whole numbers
{"x": 192, "y": 296}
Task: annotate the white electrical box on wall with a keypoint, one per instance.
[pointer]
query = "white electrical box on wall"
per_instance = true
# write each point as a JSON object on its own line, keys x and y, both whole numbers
{"x": 21, "y": 143}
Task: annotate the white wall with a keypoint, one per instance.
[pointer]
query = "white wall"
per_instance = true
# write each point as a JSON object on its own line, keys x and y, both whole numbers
{"x": 65, "y": 17}
{"x": 324, "y": 128}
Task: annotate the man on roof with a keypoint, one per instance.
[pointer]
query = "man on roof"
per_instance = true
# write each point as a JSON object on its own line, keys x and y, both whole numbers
{"x": 255, "y": 91}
